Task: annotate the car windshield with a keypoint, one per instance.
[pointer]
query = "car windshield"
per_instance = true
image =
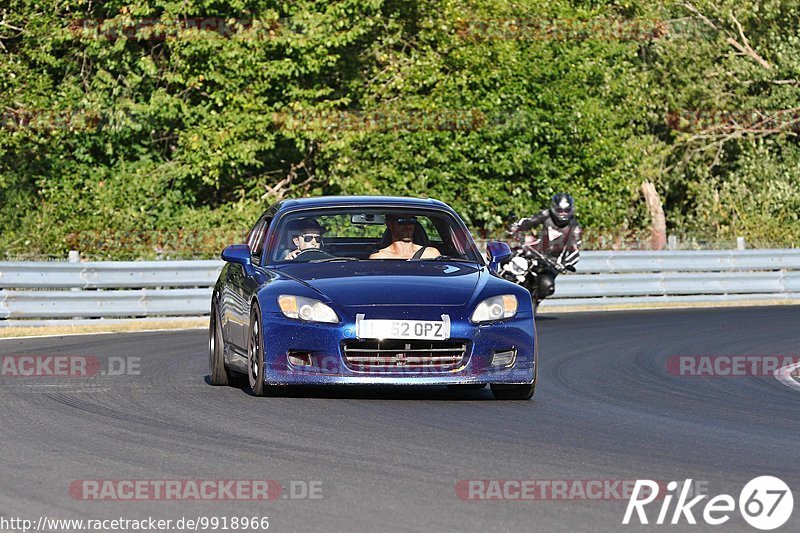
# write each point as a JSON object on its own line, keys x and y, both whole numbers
{"x": 371, "y": 234}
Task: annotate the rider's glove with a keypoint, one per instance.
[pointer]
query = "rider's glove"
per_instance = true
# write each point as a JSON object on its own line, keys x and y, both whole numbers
{"x": 560, "y": 266}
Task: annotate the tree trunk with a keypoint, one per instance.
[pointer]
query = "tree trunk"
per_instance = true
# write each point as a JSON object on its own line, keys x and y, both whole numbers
{"x": 658, "y": 222}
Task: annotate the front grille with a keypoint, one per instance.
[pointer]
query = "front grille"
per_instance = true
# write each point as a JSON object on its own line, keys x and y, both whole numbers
{"x": 404, "y": 354}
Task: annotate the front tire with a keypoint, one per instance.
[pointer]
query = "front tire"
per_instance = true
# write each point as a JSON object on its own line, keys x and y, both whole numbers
{"x": 513, "y": 392}
{"x": 217, "y": 372}
{"x": 255, "y": 353}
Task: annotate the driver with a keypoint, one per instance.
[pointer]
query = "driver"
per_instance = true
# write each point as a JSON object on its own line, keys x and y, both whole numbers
{"x": 306, "y": 234}
{"x": 401, "y": 230}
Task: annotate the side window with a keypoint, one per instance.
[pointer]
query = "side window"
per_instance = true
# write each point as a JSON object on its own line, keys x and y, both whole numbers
{"x": 248, "y": 240}
{"x": 251, "y": 235}
{"x": 259, "y": 237}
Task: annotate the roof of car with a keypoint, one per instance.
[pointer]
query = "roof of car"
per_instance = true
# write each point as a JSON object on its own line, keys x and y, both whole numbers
{"x": 347, "y": 201}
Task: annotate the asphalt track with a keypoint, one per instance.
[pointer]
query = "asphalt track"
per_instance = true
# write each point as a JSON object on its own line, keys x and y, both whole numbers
{"x": 606, "y": 408}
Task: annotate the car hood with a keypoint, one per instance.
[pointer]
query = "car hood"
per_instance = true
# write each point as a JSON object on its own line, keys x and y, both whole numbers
{"x": 389, "y": 282}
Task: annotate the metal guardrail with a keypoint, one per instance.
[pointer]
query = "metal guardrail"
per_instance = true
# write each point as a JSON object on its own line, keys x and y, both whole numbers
{"x": 689, "y": 261}
{"x": 105, "y": 304}
{"x": 108, "y": 274}
{"x": 676, "y": 283}
{"x": 53, "y": 290}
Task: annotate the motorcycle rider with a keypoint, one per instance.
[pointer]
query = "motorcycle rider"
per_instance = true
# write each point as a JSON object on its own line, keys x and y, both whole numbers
{"x": 558, "y": 237}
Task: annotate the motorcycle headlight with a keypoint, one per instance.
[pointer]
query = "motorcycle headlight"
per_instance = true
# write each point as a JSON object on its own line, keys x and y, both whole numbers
{"x": 518, "y": 266}
{"x": 309, "y": 309}
{"x": 495, "y": 308}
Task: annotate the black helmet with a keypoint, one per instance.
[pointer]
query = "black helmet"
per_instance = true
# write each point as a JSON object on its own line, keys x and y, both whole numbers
{"x": 562, "y": 208}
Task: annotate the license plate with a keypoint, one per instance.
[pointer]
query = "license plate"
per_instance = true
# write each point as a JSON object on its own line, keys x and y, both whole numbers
{"x": 433, "y": 330}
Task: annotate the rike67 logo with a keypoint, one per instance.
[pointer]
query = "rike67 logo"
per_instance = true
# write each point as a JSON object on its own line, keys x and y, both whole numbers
{"x": 765, "y": 503}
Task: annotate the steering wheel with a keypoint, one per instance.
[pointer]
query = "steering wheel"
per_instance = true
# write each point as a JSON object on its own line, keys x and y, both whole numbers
{"x": 310, "y": 254}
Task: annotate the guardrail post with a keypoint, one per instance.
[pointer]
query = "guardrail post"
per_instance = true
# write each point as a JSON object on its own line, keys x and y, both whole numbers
{"x": 74, "y": 256}
{"x": 672, "y": 242}
{"x": 740, "y": 243}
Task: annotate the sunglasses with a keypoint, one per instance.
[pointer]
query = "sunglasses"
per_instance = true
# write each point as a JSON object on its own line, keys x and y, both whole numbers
{"x": 406, "y": 220}
{"x": 308, "y": 237}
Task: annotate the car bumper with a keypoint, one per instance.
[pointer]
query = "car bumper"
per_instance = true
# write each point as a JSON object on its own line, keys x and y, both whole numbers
{"x": 322, "y": 346}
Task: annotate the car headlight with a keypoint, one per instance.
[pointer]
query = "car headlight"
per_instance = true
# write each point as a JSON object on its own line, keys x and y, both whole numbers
{"x": 309, "y": 309}
{"x": 495, "y": 308}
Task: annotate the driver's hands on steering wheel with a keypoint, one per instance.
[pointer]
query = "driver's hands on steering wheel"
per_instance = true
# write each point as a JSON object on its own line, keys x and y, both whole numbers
{"x": 294, "y": 254}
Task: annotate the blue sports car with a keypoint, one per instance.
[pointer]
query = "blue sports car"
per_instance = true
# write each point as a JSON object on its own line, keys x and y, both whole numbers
{"x": 369, "y": 290}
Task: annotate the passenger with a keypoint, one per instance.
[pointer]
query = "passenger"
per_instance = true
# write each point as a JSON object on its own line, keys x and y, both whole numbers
{"x": 401, "y": 230}
{"x": 305, "y": 234}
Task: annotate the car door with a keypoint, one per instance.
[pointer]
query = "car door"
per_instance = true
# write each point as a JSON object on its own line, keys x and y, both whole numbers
{"x": 253, "y": 279}
{"x": 247, "y": 282}
{"x": 237, "y": 297}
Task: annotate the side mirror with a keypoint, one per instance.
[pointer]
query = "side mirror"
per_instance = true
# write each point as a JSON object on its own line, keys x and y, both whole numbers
{"x": 237, "y": 253}
{"x": 498, "y": 252}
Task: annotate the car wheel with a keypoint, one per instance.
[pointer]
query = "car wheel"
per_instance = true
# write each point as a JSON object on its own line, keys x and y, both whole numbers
{"x": 217, "y": 372}
{"x": 255, "y": 353}
{"x": 513, "y": 392}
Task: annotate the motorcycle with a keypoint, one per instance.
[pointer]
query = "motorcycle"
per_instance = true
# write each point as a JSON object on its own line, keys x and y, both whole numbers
{"x": 533, "y": 270}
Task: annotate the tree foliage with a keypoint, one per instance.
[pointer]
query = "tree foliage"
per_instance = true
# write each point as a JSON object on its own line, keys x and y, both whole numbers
{"x": 126, "y": 123}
